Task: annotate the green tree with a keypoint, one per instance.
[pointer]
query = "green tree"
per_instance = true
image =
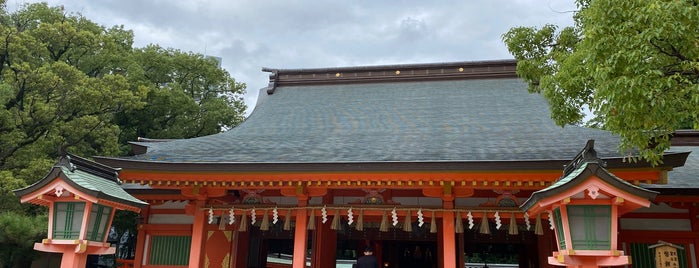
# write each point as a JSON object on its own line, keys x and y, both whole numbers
{"x": 634, "y": 64}
{"x": 18, "y": 233}
{"x": 189, "y": 96}
{"x": 70, "y": 85}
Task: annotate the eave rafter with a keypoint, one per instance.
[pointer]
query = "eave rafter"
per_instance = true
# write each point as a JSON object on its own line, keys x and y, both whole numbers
{"x": 509, "y": 180}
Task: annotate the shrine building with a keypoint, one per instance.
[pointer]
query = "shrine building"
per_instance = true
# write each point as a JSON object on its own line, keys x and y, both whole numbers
{"x": 432, "y": 165}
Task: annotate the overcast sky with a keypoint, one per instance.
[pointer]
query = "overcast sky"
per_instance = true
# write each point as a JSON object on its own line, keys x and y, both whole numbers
{"x": 250, "y": 34}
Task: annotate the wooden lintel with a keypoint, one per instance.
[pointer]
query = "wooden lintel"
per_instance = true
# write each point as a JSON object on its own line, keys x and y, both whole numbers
{"x": 200, "y": 192}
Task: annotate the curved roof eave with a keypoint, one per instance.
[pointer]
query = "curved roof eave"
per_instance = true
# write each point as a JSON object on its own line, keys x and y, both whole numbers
{"x": 671, "y": 160}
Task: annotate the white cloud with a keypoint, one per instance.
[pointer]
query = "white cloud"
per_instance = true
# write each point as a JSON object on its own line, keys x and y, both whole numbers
{"x": 250, "y": 34}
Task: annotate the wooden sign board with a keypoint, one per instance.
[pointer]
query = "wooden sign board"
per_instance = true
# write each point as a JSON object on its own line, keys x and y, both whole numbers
{"x": 666, "y": 255}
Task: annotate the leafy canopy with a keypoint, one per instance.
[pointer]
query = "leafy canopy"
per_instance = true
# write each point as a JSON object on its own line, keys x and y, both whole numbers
{"x": 634, "y": 64}
{"x": 68, "y": 84}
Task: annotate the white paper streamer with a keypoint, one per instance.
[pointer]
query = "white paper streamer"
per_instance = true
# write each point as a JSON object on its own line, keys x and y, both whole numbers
{"x": 350, "y": 216}
{"x": 551, "y": 220}
{"x": 498, "y": 222}
{"x": 211, "y": 215}
{"x": 275, "y": 216}
{"x": 470, "y": 220}
{"x": 394, "y": 216}
{"x": 324, "y": 214}
{"x": 526, "y": 220}
{"x": 253, "y": 218}
{"x": 231, "y": 216}
{"x": 420, "y": 218}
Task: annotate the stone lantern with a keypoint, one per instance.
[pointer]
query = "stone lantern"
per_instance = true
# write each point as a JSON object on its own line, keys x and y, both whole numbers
{"x": 82, "y": 197}
{"x": 585, "y": 205}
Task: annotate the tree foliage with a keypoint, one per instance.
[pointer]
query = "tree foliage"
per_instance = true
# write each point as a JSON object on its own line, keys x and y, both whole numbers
{"x": 68, "y": 84}
{"x": 634, "y": 64}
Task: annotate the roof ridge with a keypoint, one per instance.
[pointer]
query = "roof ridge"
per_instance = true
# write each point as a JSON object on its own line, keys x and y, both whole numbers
{"x": 391, "y": 73}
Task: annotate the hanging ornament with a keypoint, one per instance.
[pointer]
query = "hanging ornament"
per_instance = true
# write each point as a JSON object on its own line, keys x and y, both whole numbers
{"x": 384, "y": 223}
{"x": 211, "y": 215}
{"x": 222, "y": 223}
{"x": 526, "y": 221}
{"x": 498, "y": 222}
{"x": 324, "y": 215}
{"x": 231, "y": 216}
{"x": 433, "y": 224}
{"x": 360, "y": 221}
{"x": 287, "y": 220}
{"x": 420, "y": 218}
{"x": 469, "y": 216}
{"x": 253, "y": 216}
{"x": 551, "y": 220}
{"x": 243, "y": 223}
{"x": 538, "y": 229}
{"x": 407, "y": 224}
{"x": 485, "y": 226}
{"x": 312, "y": 220}
{"x": 264, "y": 226}
{"x": 394, "y": 216}
{"x": 458, "y": 223}
{"x": 335, "y": 224}
{"x": 275, "y": 216}
{"x": 350, "y": 216}
{"x": 513, "y": 229}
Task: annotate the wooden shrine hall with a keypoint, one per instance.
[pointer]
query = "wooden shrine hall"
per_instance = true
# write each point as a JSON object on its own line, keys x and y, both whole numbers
{"x": 429, "y": 164}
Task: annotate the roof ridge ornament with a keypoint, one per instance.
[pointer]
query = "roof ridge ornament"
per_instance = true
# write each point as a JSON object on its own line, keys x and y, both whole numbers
{"x": 586, "y": 155}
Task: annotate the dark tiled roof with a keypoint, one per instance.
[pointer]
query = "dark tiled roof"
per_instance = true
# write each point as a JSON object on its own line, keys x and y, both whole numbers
{"x": 684, "y": 177}
{"x": 457, "y": 120}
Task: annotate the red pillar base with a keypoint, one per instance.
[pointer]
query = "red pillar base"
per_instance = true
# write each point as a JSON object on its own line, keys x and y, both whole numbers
{"x": 74, "y": 251}
{"x": 584, "y": 261}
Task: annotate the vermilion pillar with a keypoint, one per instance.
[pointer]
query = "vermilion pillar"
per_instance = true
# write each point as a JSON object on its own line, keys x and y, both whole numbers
{"x": 141, "y": 238}
{"x": 300, "y": 232}
{"x": 448, "y": 251}
{"x": 196, "y": 251}
{"x": 324, "y": 245}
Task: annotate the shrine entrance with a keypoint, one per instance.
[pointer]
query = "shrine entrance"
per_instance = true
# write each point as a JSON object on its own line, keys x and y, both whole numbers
{"x": 501, "y": 250}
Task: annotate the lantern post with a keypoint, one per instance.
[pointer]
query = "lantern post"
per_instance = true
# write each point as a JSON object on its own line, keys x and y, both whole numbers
{"x": 585, "y": 205}
{"x": 82, "y": 197}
